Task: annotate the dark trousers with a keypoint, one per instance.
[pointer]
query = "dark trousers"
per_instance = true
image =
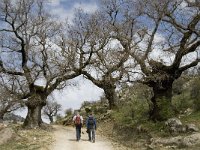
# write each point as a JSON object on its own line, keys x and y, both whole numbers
{"x": 91, "y": 134}
{"x": 78, "y": 132}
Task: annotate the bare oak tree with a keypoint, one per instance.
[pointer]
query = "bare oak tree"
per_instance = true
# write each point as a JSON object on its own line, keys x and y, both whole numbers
{"x": 51, "y": 109}
{"x": 107, "y": 64}
{"x": 165, "y": 44}
{"x": 36, "y": 51}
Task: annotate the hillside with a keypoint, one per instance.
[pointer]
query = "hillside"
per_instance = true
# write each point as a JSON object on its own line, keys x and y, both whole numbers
{"x": 12, "y": 117}
{"x": 130, "y": 126}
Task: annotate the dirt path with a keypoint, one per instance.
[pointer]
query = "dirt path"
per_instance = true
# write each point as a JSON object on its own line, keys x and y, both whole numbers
{"x": 65, "y": 140}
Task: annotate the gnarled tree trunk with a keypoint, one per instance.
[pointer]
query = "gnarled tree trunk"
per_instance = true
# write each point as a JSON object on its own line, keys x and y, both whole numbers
{"x": 161, "y": 102}
{"x": 33, "y": 118}
{"x": 1, "y": 117}
{"x": 111, "y": 96}
{"x": 50, "y": 118}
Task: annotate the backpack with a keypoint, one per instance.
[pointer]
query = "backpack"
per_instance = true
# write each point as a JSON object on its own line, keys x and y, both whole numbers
{"x": 91, "y": 121}
{"x": 77, "y": 120}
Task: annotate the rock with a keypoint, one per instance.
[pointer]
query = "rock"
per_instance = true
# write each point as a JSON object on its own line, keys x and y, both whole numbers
{"x": 191, "y": 128}
{"x": 188, "y": 111}
{"x": 184, "y": 129}
{"x": 1, "y": 126}
{"x": 178, "y": 141}
{"x": 175, "y": 125}
{"x": 173, "y": 122}
{"x": 191, "y": 140}
{"x": 141, "y": 129}
{"x": 6, "y": 134}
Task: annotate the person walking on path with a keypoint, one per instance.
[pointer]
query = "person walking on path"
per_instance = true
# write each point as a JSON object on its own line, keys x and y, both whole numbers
{"x": 78, "y": 122}
{"x": 91, "y": 127}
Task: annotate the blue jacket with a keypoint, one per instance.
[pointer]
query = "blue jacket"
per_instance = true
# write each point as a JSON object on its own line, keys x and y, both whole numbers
{"x": 88, "y": 125}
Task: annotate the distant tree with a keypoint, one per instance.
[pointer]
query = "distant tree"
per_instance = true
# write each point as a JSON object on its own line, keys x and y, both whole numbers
{"x": 8, "y": 102}
{"x": 59, "y": 117}
{"x": 51, "y": 109}
{"x": 68, "y": 112}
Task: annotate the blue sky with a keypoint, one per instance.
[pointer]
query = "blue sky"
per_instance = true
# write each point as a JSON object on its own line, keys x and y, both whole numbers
{"x": 65, "y": 8}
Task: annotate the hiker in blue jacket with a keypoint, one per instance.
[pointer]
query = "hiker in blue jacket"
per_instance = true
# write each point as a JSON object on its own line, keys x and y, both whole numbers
{"x": 91, "y": 127}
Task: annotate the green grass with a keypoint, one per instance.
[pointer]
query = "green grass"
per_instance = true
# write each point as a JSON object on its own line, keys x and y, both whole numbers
{"x": 192, "y": 118}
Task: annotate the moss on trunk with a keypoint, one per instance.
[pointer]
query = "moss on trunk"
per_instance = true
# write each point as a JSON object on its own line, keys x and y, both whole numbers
{"x": 162, "y": 107}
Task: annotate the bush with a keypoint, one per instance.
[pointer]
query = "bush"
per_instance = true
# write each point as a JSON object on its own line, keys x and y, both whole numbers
{"x": 195, "y": 93}
{"x": 132, "y": 112}
{"x": 182, "y": 102}
{"x": 68, "y": 112}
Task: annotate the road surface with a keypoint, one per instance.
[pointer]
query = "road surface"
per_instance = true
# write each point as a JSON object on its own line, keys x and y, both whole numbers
{"x": 65, "y": 140}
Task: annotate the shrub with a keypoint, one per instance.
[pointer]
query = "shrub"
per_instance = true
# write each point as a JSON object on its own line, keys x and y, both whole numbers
{"x": 195, "y": 93}
{"x": 68, "y": 112}
{"x": 182, "y": 102}
{"x": 132, "y": 112}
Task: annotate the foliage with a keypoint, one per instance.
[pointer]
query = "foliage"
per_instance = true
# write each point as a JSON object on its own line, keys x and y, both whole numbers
{"x": 133, "y": 105}
{"x": 97, "y": 107}
{"x": 179, "y": 84}
{"x": 59, "y": 116}
{"x": 195, "y": 93}
{"x": 192, "y": 118}
{"x": 165, "y": 108}
{"x": 68, "y": 112}
{"x": 85, "y": 103}
{"x": 182, "y": 101}
{"x": 188, "y": 96}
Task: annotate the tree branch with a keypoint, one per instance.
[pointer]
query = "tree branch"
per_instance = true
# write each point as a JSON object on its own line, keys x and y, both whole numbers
{"x": 192, "y": 64}
{"x": 95, "y": 81}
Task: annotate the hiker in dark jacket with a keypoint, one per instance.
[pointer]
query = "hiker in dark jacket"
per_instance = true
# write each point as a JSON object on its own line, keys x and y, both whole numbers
{"x": 91, "y": 127}
{"x": 78, "y": 121}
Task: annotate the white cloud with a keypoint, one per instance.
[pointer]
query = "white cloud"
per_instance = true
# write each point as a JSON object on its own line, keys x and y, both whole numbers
{"x": 89, "y": 8}
{"x": 159, "y": 38}
{"x": 54, "y": 2}
{"x": 73, "y": 97}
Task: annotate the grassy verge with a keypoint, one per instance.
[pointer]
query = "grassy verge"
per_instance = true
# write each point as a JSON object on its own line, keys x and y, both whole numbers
{"x": 192, "y": 118}
{"x": 34, "y": 139}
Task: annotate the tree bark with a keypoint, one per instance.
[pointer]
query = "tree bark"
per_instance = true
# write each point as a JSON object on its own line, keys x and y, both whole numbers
{"x": 111, "y": 96}
{"x": 1, "y": 117}
{"x": 51, "y": 118}
{"x": 33, "y": 118}
{"x": 161, "y": 102}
